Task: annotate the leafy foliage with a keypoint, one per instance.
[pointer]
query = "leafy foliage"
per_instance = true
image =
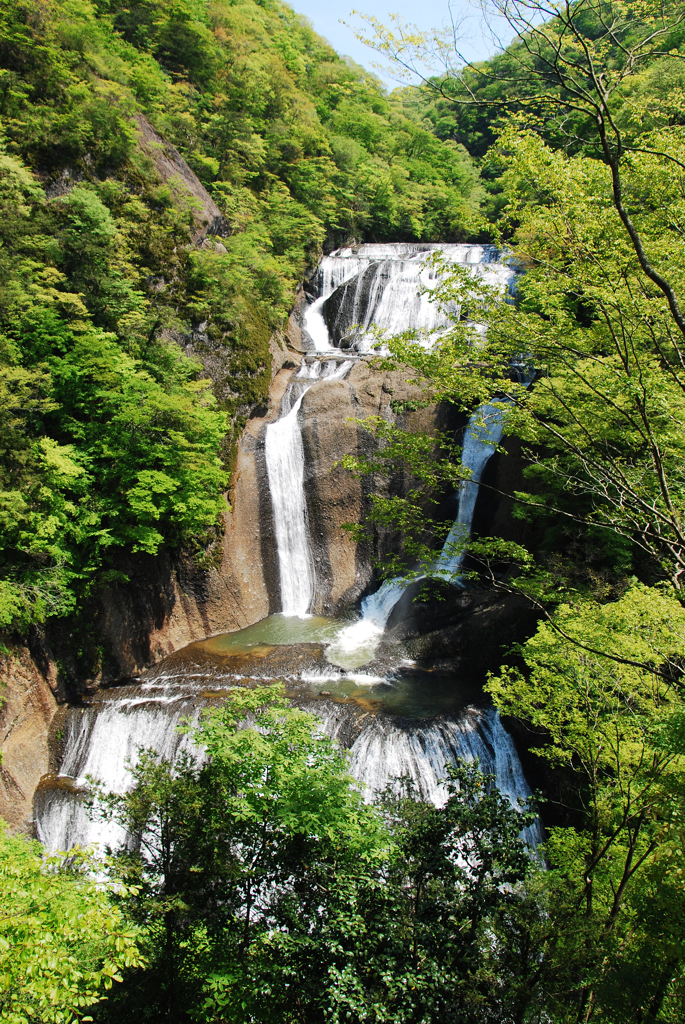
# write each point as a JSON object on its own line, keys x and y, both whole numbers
{"x": 595, "y": 231}
{"x": 585, "y": 367}
{"x": 100, "y": 450}
{"x": 271, "y": 891}
{"x": 111, "y": 439}
{"x": 612, "y": 725}
{"x": 62, "y": 942}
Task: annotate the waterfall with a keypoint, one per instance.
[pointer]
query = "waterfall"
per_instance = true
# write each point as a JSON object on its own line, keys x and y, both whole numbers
{"x": 333, "y": 272}
{"x": 481, "y": 437}
{"x": 387, "y": 750}
{"x": 483, "y": 434}
{"x": 388, "y": 287}
{"x": 102, "y": 743}
{"x": 382, "y": 286}
{"x": 285, "y": 466}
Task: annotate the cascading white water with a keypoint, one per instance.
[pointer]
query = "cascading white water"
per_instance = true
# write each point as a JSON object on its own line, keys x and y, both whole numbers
{"x": 483, "y": 434}
{"x": 386, "y": 751}
{"x": 360, "y": 639}
{"x": 102, "y": 743}
{"x": 392, "y": 290}
{"x": 285, "y": 466}
{"x": 333, "y": 272}
{"x": 356, "y": 643}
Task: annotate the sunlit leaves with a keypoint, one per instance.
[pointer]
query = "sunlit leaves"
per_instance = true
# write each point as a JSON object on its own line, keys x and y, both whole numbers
{"x": 269, "y": 883}
{"x": 62, "y": 941}
{"x": 612, "y": 722}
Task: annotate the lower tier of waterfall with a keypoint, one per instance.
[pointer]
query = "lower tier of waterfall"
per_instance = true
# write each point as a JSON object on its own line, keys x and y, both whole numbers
{"x": 396, "y": 722}
{"x": 388, "y": 750}
{"x": 101, "y": 743}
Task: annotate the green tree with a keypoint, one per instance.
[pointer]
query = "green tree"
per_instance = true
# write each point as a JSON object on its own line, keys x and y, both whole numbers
{"x": 63, "y": 943}
{"x": 100, "y": 449}
{"x": 451, "y": 932}
{"x": 611, "y": 729}
{"x": 585, "y": 367}
{"x": 246, "y": 859}
{"x": 269, "y": 889}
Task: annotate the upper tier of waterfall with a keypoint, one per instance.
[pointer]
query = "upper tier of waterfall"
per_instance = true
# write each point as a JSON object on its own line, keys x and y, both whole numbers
{"x": 388, "y": 286}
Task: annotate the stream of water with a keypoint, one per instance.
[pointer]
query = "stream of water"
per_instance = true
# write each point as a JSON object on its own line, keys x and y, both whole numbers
{"x": 358, "y": 642}
{"x": 285, "y": 469}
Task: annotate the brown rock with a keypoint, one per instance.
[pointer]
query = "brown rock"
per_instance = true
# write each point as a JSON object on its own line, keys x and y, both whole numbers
{"x": 26, "y": 711}
{"x": 331, "y": 411}
{"x": 172, "y": 169}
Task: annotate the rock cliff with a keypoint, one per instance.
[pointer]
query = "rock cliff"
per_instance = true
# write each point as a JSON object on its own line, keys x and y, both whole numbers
{"x": 168, "y": 604}
{"x": 26, "y": 712}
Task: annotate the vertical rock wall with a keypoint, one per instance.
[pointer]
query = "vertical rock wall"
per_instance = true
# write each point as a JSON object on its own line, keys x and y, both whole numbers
{"x": 27, "y": 706}
{"x": 330, "y": 429}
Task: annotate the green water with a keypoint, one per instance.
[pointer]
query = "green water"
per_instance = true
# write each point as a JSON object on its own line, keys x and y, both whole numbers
{"x": 407, "y": 690}
{"x": 412, "y": 694}
{"x": 276, "y": 631}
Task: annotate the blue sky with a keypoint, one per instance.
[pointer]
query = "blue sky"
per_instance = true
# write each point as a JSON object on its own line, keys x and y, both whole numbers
{"x": 326, "y": 19}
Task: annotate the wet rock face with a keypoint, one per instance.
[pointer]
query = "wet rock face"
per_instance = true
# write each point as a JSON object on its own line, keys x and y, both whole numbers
{"x": 354, "y": 302}
{"x": 245, "y": 587}
{"x": 493, "y": 517}
{"x": 203, "y": 668}
{"x": 169, "y": 602}
{"x": 334, "y": 497}
{"x": 468, "y": 633}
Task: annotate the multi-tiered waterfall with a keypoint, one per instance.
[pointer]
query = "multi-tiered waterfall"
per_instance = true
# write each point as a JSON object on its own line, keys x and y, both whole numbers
{"x": 371, "y": 288}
